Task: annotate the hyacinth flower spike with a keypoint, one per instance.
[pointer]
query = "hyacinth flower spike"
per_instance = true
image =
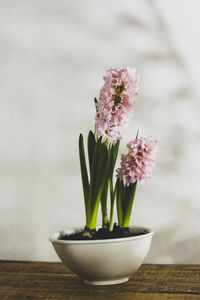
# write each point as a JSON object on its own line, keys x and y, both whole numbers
{"x": 114, "y": 107}
{"x": 136, "y": 166}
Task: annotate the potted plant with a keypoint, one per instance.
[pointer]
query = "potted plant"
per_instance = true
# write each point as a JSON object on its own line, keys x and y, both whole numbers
{"x": 108, "y": 255}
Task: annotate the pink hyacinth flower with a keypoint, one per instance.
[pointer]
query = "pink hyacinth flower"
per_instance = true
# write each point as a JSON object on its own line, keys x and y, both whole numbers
{"x": 116, "y": 103}
{"x": 138, "y": 164}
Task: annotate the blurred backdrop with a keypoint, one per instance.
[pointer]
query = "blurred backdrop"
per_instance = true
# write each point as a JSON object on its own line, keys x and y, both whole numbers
{"x": 53, "y": 55}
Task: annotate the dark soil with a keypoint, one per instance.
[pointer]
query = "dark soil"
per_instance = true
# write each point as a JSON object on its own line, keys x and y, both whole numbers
{"x": 102, "y": 233}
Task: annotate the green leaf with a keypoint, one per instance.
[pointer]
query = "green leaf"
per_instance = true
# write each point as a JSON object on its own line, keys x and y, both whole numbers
{"x": 113, "y": 155}
{"x": 99, "y": 171}
{"x": 91, "y": 148}
{"x": 100, "y": 175}
{"x": 94, "y": 167}
{"x": 104, "y": 197}
{"x": 128, "y": 203}
{"x": 84, "y": 175}
{"x": 119, "y": 194}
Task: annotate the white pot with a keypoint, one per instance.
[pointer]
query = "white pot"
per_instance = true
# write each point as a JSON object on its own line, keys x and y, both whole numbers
{"x": 103, "y": 262}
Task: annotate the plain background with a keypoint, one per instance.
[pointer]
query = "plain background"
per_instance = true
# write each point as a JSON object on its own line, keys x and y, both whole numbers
{"x": 53, "y": 55}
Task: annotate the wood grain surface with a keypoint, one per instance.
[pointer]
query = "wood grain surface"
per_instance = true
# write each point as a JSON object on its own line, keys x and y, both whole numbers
{"x": 43, "y": 280}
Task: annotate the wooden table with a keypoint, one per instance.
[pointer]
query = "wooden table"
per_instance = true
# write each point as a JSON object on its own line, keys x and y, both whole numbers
{"x": 41, "y": 280}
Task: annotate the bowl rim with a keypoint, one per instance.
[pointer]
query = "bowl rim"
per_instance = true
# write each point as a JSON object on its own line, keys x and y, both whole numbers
{"x": 54, "y": 237}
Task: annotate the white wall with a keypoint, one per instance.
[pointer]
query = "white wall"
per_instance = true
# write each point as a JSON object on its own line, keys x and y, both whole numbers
{"x": 53, "y": 55}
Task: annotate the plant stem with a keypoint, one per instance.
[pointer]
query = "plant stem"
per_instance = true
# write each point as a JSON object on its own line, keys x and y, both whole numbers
{"x": 114, "y": 153}
{"x": 112, "y": 200}
{"x": 105, "y": 218}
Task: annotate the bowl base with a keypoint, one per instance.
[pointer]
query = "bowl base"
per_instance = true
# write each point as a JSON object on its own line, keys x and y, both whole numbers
{"x": 106, "y": 281}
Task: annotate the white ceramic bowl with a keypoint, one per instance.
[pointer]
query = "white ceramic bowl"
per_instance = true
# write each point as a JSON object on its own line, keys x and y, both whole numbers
{"x": 103, "y": 262}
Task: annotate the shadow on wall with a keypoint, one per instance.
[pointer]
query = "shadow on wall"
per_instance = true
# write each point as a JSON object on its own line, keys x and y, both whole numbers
{"x": 170, "y": 251}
